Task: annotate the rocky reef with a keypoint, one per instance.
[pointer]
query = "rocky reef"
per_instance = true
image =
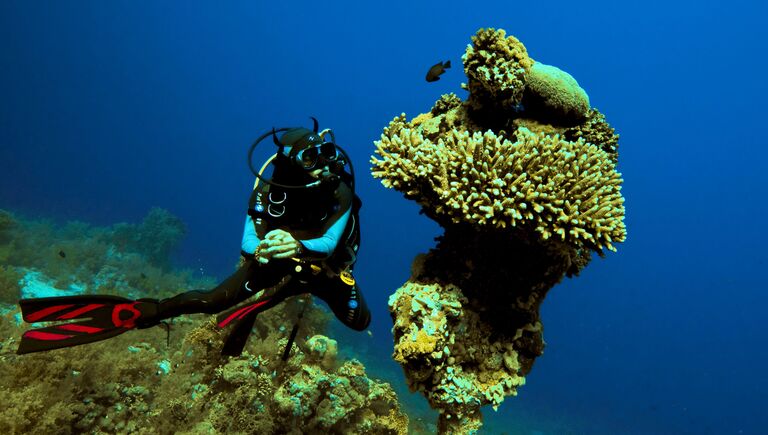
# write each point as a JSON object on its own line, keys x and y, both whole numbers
{"x": 522, "y": 178}
{"x": 148, "y": 381}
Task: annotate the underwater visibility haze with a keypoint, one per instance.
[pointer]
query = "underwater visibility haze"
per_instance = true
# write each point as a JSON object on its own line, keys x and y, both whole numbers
{"x": 560, "y": 231}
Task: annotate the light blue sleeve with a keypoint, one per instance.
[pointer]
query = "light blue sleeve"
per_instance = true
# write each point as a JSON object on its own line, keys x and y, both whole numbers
{"x": 324, "y": 245}
{"x": 250, "y": 239}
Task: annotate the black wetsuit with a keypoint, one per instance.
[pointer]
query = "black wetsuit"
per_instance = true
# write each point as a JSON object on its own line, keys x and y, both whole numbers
{"x": 304, "y": 214}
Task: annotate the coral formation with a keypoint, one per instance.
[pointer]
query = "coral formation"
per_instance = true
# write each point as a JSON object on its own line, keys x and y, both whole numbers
{"x": 344, "y": 401}
{"x": 139, "y": 383}
{"x": 132, "y": 258}
{"x": 322, "y": 350}
{"x": 569, "y": 190}
{"x": 155, "y": 238}
{"x": 522, "y": 178}
{"x": 9, "y": 284}
{"x": 554, "y": 95}
{"x": 7, "y": 224}
{"x": 452, "y": 355}
{"x": 496, "y": 66}
{"x": 133, "y": 383}
{"x": 596, "y": 130}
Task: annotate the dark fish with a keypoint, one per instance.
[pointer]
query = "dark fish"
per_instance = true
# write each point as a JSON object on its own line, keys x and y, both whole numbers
{"x": 143, "y": 276}
{"x": 62, "y": 254}
{"x": 433, "y": 74}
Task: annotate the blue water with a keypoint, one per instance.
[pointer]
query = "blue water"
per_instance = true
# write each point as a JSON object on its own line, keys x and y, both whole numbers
{"x": 110, "y": 108}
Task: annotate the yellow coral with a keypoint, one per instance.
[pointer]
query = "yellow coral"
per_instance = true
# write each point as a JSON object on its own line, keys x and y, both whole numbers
{"x": 554, "y": 94}
{"x": 420, "y": 345}
{"x": 446, "y": 103}
{"x": 496, "y": 66}
{"x": 450, "y": 353}
{"x": 524, "y": 197}
{"x": 322, "y": 350}
{"x": 567, "y": 190}
{"x": 596, "y": 130}
{"x": 263, "y": 386}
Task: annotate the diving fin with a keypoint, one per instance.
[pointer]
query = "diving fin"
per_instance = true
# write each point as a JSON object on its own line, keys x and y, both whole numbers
{"x": 239, "y": 336}
{"x": 244, "y": 318}
{"x": 104, "y": 317}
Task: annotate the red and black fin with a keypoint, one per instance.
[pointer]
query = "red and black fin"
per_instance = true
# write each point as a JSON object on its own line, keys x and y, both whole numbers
{"x": 243, "y": 318}
{"x": 104, "y": 317}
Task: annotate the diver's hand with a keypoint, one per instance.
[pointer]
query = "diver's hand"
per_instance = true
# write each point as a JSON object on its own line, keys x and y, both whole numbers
{"x": 260, "y": 253}
{"x": 263, "y": 253}
{"x": 277, "y": 244}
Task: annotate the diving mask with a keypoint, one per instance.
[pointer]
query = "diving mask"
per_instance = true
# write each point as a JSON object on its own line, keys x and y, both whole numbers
{"x": 317, "y": 155}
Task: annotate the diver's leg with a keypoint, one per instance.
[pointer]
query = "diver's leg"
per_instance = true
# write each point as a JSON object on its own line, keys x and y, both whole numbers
{"x": 239, "y": 286}
{"x": 345, "y": 300}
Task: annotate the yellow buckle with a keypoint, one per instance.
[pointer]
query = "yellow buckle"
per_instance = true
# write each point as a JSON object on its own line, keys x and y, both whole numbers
{"x": 347, "y": 278}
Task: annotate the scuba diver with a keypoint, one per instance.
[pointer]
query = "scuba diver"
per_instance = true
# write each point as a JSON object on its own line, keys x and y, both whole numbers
{"x": 301, "y": 236}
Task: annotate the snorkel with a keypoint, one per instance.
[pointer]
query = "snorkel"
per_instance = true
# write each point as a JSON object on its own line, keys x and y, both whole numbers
{"x": 330, "y": 175}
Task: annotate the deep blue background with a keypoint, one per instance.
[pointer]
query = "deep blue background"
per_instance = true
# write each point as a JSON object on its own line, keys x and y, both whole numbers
{"x": 110, "y": 108}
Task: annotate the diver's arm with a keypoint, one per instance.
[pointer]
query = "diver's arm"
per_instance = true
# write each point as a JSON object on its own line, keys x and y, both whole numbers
{"x": 323, "y": 246}
{"x": 250, "y": 238}
{"x": 281, "y": 244}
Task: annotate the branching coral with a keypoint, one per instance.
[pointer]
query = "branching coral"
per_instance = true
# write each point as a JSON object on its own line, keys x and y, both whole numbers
{"x": 524, "y": 197}
{"x": 495, "y": 65}
{"x": 562, "y": 189}
{"x": 596, "y": 130}
{"x": 446, "y": 103}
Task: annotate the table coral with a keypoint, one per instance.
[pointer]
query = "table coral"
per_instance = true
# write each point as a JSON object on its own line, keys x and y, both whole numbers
{"x": 563, "y": 189}
{"x": 524, "y": 197}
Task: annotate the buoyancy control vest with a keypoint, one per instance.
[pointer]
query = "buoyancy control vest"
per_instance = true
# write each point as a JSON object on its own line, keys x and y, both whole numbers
{"x": 309, "y": 213}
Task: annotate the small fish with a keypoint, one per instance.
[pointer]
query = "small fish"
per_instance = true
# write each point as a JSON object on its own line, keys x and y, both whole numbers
{"x": 62, "y": 254}
{"x": 433, "y": 74}
{"x": 143, "y": 276}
